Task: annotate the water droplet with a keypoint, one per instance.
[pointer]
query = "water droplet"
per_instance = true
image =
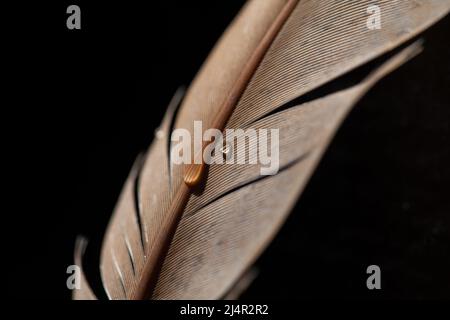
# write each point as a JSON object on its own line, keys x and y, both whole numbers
{"x": 225, "y": 149}
{"x": 226, "y": 152}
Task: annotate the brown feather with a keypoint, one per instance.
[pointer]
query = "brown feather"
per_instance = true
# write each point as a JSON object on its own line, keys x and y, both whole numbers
{"x": 191, "y": 231}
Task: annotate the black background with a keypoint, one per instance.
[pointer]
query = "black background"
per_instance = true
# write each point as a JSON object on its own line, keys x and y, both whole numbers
{"x": 85, "y": 102}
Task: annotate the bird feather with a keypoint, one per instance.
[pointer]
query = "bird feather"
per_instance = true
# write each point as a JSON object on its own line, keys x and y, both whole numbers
{"x": 192, "y": 231}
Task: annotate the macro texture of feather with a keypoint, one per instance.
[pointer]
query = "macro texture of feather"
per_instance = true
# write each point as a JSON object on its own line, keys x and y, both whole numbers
{"x": 168, "y": 239}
